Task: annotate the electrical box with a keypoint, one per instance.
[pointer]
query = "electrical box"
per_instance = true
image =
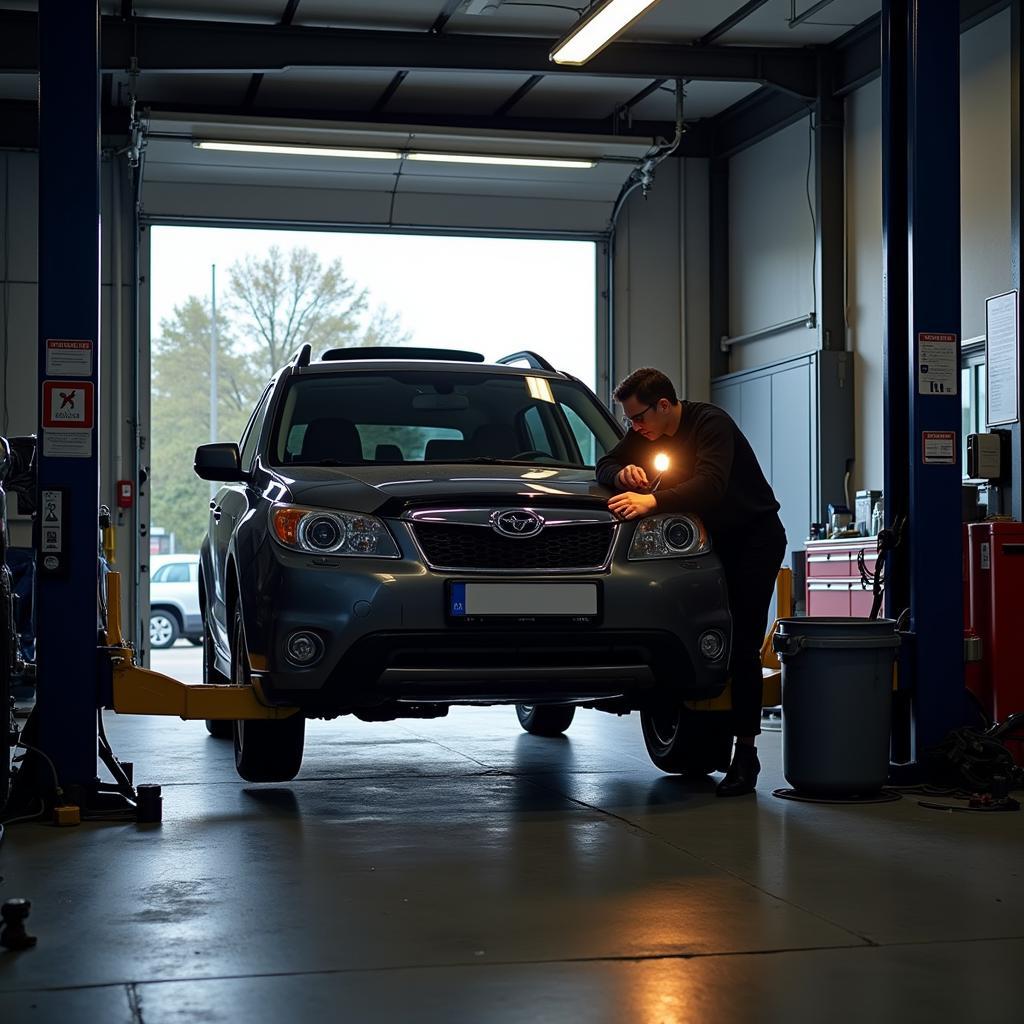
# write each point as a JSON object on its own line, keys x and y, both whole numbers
{"x": 984, "y": 456}
{"x": 125, "y": 493}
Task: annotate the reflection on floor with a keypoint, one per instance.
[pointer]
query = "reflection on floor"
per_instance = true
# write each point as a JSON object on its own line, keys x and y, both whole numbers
{"x": 460, "y": 870}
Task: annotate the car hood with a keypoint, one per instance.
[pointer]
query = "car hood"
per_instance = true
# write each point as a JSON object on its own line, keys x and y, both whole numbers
{"x": 391, "y": 490}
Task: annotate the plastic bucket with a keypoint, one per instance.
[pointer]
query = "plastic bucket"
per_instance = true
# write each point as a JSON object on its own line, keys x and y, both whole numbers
{"x": 836, "y": 703}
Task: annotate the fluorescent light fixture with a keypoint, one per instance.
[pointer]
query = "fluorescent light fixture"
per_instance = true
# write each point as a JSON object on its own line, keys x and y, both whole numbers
{"x": 596, "y": 29}
{"x": 273, "y": 147}
{"x": 505, "y": 161}
{"x": 395, "y": 154}
{"x": 540, "y": 389}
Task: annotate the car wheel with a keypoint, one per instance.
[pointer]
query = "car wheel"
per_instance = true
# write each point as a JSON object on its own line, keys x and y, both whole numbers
{"x": 545, "y": 719}
{"x": 163, "y": 629}
{"x": 266, "y": 750}
{"x": 195, "y": 641}
{"x": 218, "y": 728}
{"x": 685, "y": 742}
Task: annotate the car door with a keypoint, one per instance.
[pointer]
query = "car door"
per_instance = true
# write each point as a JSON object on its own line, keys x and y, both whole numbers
{"x": 227, "y": 507}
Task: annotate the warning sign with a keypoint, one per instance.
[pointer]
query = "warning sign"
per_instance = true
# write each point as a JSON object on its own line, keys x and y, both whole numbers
{"x": 68, "y": 404}
{"x": 938, "y": 367}
{"x": 68, "y": 357}
{"x": 52, "y": 516}
{"x": 938, "y": 447}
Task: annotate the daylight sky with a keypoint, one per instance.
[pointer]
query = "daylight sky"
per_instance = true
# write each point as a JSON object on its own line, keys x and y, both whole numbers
{"x": 490, "y": 295}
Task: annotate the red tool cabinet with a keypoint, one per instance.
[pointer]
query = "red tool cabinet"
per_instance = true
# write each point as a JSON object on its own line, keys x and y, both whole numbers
{"x": 834, "y": 586}
{"x": 996, "y": 582}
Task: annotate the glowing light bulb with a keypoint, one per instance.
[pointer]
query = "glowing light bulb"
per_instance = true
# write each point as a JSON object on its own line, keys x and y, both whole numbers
{"x": 661, "y": 462}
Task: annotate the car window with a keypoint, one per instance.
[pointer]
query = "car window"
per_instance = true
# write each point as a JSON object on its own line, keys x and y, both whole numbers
{"x": 438, "y": 415}
{"x": 172, "y": 572}
{"x": 253, "y": 430}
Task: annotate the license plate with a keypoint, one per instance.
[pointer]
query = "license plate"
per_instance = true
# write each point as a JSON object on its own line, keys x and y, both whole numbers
{"x": 522, "y": 600}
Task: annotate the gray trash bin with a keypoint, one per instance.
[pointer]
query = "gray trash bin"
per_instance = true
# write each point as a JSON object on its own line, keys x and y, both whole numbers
{"x": 836, "y": 703}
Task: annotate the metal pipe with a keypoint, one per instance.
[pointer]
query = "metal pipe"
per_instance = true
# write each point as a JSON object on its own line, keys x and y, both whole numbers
{"x": 808, "y": 320}
{"x": 116, "y": 322}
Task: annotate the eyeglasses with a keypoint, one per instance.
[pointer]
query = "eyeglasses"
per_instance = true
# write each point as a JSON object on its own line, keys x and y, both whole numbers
{"x": 636, "y": 417}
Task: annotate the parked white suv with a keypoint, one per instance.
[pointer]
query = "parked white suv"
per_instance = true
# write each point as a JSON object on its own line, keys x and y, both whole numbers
{"x": 174, "y": 600}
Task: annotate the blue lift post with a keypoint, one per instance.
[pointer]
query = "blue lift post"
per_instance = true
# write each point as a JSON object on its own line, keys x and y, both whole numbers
{"x": 69, "y": 309}
{"x": 921, "y": 260}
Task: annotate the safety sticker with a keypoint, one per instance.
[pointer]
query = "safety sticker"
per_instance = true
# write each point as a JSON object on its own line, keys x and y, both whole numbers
{"x": 52, "y": 521}
{"x": 67, "y": 404}
{"x": 938, "y": 366}
{"x": 68, "y": 357}
{"x": 938, "y": 447}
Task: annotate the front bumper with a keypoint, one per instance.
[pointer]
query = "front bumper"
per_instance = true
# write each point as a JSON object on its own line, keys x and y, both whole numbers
{"x": 387, "y": 637}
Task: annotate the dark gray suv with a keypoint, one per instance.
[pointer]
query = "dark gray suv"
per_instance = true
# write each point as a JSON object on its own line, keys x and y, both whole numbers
{"x": 402, "y": 530}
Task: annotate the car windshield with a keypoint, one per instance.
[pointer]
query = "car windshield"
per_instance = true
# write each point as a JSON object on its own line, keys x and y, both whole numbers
{"x": 438, "y": 416}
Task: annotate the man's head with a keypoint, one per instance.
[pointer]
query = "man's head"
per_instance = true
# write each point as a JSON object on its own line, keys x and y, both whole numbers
{"x": 649, "y": 403}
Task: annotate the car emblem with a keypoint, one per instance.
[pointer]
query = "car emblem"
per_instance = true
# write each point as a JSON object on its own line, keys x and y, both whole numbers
{"x": 517, "y": 522}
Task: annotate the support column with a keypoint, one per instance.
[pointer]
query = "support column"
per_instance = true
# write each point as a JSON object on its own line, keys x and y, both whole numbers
{"x": 69, "y": 290}
{"x": 1011, "y": 487}
{"x": 921, "y": 78}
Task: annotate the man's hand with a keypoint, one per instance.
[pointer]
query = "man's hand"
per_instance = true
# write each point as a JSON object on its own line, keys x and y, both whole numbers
{"x": 630, "y": 505}
{"x": 631, "y": 476}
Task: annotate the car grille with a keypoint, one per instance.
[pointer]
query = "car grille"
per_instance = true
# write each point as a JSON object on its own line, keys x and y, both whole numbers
{"x": 454, "y": 546}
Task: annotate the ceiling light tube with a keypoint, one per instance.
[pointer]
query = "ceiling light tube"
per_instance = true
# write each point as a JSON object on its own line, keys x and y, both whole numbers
{"x": 507, "y": 161}
{"x": 596, "y": 29}
{"x": 290, "y": 150}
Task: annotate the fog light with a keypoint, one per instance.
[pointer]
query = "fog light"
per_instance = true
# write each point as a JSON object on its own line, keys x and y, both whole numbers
{"x": 304, "y": 648}
{"x": 712, "y": 645}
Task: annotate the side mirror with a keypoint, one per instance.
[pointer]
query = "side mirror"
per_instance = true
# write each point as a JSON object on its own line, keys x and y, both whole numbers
{"x": 219, "y": 462}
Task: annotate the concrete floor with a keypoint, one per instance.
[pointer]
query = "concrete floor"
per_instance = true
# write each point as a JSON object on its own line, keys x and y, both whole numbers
{"x": 460, "y": 870}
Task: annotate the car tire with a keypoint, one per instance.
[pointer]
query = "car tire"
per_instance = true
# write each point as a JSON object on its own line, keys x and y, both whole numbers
{"x": 266, "y": 750}
{"x": 163, "y": 629}
{"x": 218, "y": 728}
{"x": 545, "y": 719}
{"x": 195, "y": 641}
{"x": 683, "y": 742}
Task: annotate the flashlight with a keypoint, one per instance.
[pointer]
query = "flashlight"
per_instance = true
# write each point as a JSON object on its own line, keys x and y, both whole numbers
{"x": 661, "y": 463}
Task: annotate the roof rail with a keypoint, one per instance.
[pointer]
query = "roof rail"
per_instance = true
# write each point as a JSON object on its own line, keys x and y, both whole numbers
{"x": 402, "y": 352}
{"x": 534, "y": 361}
{"x": 302, "y": 356}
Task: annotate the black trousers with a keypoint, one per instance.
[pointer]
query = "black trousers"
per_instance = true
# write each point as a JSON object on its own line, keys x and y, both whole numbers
{"x": 751, "y": 562}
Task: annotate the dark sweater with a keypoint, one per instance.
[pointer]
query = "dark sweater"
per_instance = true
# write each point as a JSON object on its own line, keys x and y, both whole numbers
{"x": 713, "y": 473}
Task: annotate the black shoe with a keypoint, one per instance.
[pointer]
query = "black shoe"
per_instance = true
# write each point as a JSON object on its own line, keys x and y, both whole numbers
{"x": 742, "y": 775}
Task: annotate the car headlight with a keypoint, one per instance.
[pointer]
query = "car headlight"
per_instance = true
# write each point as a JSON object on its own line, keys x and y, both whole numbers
{"x": 669, "y": 536}
{"x": 319, "y": 532}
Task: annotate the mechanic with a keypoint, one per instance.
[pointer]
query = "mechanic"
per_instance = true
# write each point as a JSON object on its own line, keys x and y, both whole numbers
{"x": 713, "y": 473}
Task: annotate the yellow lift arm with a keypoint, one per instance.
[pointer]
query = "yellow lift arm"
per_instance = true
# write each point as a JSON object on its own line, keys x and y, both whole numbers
{"x": 140, "y": 691}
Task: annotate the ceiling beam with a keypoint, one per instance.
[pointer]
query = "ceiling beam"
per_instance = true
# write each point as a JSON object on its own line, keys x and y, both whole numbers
{"x": 389, "y": 91}
{"x": 162, "y": 44}
{"x": 528, "y": 86}
{"x": 754, "y": 118}
{"x": 728, "y": 24}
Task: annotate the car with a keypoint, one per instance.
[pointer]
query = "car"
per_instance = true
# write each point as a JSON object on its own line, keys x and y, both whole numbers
{"x": 402, "y": 530}
{"x": 174, "y": 600}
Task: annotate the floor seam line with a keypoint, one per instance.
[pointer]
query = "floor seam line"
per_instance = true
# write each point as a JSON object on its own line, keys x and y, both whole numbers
{"x": 711, "y": 863}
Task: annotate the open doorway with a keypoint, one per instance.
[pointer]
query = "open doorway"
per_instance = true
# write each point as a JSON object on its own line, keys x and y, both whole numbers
{"x": 229, "y": 306}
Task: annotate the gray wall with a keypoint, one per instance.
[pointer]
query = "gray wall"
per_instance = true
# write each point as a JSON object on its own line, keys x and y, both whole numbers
{"x": 865, "y": 325}
{"x": 771, "y": 246}
{"x": 985, "y": 219}
{"x": 661, "y": 279}
{"x": 984, "y": 167}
